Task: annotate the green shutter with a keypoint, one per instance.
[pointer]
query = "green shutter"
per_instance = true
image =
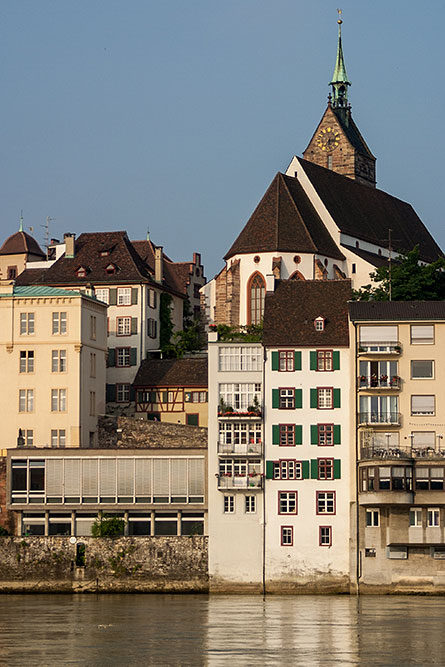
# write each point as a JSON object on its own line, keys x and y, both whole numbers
{"x": 275, "y": 398}
{"x": 111, "y": 359}
{"x": 275, "y": 434}
{"x": 337, "y": 434}
{"x": 297, "y": 361}
{"x": 336, "y": 360}
{"x": 110, "y": 393}
{"x": 269, "y": 469}
{"x": 134, "y": 295}
{"x": 337, "y": 468}
{"x": 314, "y": 402}
{"x": 274, "y": 361}
{"x": 132, "y": 393}
{"x": 112, "y": 297}
{"x": 314, "y": 434}
{"x": 165, "y": 396}
{"x": 337, "y": 402}
{"x": 305, "y": 469}
{"x": 298, "y": 434}
{"x": 314, "y": 469}
{"x": 298, "y": 398}
{"x": 134, "y": 325}
{"x": 133, "y": 356}
{"x": 313, "y": 364}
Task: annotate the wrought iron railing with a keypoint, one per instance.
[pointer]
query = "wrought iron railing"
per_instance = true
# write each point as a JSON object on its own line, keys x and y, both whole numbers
{"x": 379, "y": 418}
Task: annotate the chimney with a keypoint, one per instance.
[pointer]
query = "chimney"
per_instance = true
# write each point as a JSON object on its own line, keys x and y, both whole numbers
{"x": 159, "y": 264}
{"x": 69, "y": 245}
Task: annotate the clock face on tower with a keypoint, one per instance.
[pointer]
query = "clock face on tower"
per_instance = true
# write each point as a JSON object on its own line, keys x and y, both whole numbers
{"x": 328, "y": 139}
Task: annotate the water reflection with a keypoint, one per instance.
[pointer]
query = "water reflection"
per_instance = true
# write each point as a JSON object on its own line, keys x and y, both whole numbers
{"x": 220, "y": 630}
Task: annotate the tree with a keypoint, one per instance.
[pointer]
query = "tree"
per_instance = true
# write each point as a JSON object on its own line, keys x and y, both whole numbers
{"x": 410, "y": 281}
{"x": 108, "y": 526}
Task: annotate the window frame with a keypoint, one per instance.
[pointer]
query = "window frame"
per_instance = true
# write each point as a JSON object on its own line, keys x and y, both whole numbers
{"x": 123, "y": 296}
{"x": 420, "y": 340}
{"x": 126, "y": 352}
{"x": 430, "y": 513}
{"x": 283, "y": 467}
{"x": 415, "y": 512}
{"x": 59, "y": 323}
{"x": 250, "y": 504}
{"x": 58, "y": 360}
{"x": 331, "y": 432}
{"x": 422, "y": 377}
{"x": 228, "y": 503}
{"x": 58, "y": 437}
{"x": 59, "y": 399}
{"x": 27, "y": 324}
{"x": 287, "y": 499}
{"x": 26, "y": 356}
{"x": 288, "y": 431}
{"x": 329, "y": 496}
{"x": 287, "y": 536}
{"x": 324, "y": 356}
{"x": 326, "y": 466}
{"x": 26, "y": 398}
{"x": 125, "y": 321}
{"x": 331, "y": 394}
{"x": 322, "y": 537}
{"x": 374, "y": 517}
{"x": 105, "y": 291}
{"x": 288, "y": 356}
{"x": 284, "y": 398}
{"x": 123, "y": 393}
{"x": 423, "y": 414}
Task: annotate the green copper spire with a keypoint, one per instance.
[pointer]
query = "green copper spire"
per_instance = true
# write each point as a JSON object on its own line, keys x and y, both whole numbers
{"x": 21, "y": 222}
{"x": 339, "y": 81}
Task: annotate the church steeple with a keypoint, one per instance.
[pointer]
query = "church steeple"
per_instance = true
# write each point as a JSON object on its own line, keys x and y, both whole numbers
{"x": 340, "y": 80}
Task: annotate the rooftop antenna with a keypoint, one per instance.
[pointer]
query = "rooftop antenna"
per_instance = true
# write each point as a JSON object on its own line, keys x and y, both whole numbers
{"x": 46, "y": 228}
{"x": 389, "y": 263}
{"x": 148, "y": 234}
{"x": 21, "y": 221}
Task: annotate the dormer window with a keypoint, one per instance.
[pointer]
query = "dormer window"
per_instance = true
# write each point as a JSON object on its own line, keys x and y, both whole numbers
{"x": 81, "y": 272}
{"x": 319, "y": 323}
{"x": 110, "y": 269}
{"x": 104, "y": 253}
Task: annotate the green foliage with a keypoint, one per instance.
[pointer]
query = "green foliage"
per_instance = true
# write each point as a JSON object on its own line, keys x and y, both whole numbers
{"x": 165, "y": 320}
{"x": 3, "y": 532}
{"x": 108, "y": 526}
{"x": 250, "y": 333}
{"x": 188, "y": 340}
{"x": 410, "y": 281}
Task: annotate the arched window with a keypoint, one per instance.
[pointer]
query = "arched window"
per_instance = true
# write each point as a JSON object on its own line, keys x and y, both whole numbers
{"x": 297, "y": 275}
{"x": 255, "y": 295}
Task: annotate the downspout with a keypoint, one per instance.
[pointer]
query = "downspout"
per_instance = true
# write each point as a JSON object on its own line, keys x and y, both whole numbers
{"x": 264, "y": 475}
{"x": 357, "y": 508}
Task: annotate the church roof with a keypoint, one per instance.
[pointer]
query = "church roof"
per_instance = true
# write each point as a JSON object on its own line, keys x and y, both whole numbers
{"x": 352, "y": 132}
{"x": 285, "y": 221}
{"x": 21, "y": 243}
{"x": 368, "y": 213}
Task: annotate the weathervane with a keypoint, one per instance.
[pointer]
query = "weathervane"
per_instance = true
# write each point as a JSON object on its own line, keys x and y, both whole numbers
{"x": 339, "y": 12}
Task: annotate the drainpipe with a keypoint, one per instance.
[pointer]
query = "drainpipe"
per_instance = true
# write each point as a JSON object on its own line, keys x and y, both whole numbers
{"x": 357, "y": 507}
{"x": 264, "y": 474}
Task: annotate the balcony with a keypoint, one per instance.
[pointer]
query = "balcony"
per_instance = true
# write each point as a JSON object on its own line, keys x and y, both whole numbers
{"x": 385, "y": 453}
{"x": 379, "y": 418}
{"x": 371, "y": 382}
{"x": 245, "y": 449}
{"x": 250, "y": 415}
{"x": 380, "y": 347}
{"x": 249, "y": 481}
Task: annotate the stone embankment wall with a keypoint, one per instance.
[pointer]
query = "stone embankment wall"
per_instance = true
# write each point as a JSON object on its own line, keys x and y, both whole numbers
{"x": 5, "y": 515}
{"x": 131, "y": 564}
{"x": 133, "y": 433}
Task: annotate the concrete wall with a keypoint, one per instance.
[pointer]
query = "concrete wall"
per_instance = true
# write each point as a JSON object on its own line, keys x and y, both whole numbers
{"x": 142, "y": 564}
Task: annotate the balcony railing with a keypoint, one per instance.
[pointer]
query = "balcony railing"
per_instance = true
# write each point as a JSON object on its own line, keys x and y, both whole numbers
{"x": 378, "y": 382}
{"x": 380, "y": 418}
{"x": 240, "y": 481}
{"x": 240, "y": 414}
{"x": 376, "y": 452}
{"x": 380, "y": 347}
{"x": 245, "y": 449}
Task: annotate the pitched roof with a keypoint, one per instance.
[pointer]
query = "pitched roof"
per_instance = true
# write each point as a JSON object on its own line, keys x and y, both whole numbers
{"x": 146, "y": 250}
{"x": 188, "y": 372}
{"x": 397, "y": 310}
{"x": 21, "y": 243}
{"x": 368, "y": 213}
{"x": 290, "y": 311}
{"x": 285, "y": 221}
{"x": 371, "y": 257}
{"x": 352, "y": 132}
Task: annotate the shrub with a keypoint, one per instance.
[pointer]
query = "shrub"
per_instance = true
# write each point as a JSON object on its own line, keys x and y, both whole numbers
{"x": 108, "y": 526}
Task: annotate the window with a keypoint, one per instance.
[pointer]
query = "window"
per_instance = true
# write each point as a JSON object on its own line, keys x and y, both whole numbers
{"x": 152, "y": 327}
{"x": 386, "y": 478}
{"x": 59, "y": 323}
{"x": 58, "y": 361}
{"x": 422, "y": 370}
{"x": 379, "y": 410}
{"x": 257, "y": 291}
{"x": 26, "y": 400}
{"x": 81, "y": 272}
{"x": 379, "y": 374}
{"x": 325, "y": 398}
{"x": 423, "y": 405}
{"x": 92, "y": 364}
{"x": 286, "y": 360}
{"x": 110, "y": 269}
{"x": 286, "y": 399}
{"x": 325, "y": 502}
{"x": 27, "y": 437}
{"x": 92, "y": 403}
{"x": 325, "y": 434}
{"x": 11, "y": 273}
{"x": 415, "y": 517}
{"x": 152, "y": 298}
{"x": 122, "y": 393}
{"x": 27, "y": 361}
{"x": 93, "y": 327}
{"x": 234, "y": 358}
{"x": 287, "y": 502}
{"x": 423, "y": 440}
{"x": 372, "y": 518}
{"x": 287, "y": 469}
{"x": 325, "y": 536}
{"x": 58, "y": 400}
{"x": 422, "y": 334}
{"x": 250, "y": 504}
{"x": 26, "y": 324}
{"x": 287, "y": 434}
{"x": 429, "y": 479}
{"x": 103, "y": 294}
{"x": 123, "y": 326}
{"x": 124, "y": 296}
{"x": 433, "y": 517}
{"x": 324, "y": 360}
{"x": 122, "y": 356}
{"x": 325, "y": 468}
{"x": 195, "y": 397}
{"x": 229, "y": 504}
{"x": 242, "y": 434}
{"x": 287, "y": 536}
{"x": 239, "y": 396}
{"x": 354, "y": 268}
{"x": 319, "y": 323}
{"x": 58, "y": 437}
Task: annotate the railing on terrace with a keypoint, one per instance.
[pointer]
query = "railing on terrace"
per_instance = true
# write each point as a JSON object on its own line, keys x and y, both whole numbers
{"x": 240, "y": 448}
{"x": 245, "y": 413}
{"x": 248, "y": 481}
{"x": 378, "y": 382}
{"x": 380, "y": 347}
{"x": 380, "y": 418}
{"x": 376, "y": 452}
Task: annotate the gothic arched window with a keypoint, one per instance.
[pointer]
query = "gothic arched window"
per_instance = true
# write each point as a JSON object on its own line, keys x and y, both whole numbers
{"x": 255, "y": 295}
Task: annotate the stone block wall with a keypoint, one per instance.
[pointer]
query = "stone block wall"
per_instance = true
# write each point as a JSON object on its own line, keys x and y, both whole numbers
{"x": 133, "y": 433}
{"x": 5, "y": 515}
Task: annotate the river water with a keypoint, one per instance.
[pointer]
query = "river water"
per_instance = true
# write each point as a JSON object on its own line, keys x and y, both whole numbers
{"x": 239, "y": 631}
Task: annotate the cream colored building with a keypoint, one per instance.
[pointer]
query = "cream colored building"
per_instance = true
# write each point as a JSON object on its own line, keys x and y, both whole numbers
{"x": 52, "y": 356}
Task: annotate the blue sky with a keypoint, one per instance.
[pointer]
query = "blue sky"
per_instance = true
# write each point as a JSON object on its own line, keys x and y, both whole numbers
{"x": 175, "y": 116}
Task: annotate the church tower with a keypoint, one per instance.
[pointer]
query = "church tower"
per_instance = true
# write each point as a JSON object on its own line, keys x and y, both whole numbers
{"x": 337, "y": 143}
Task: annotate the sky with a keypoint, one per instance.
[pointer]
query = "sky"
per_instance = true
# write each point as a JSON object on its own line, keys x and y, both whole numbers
{"x": 175, "y": 116}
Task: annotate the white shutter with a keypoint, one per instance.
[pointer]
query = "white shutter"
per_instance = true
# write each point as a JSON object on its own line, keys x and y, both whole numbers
{"x": 422, "y": 405}
{"x": 161, "y": 481}
{"x": 72, "y": 478}
{"x": 143, "y": 477}
{"x": 179, "y": 477}
{"x": 125, "y": 477}
{"x": 54, "y": 477}
{"x": 378, "y": 334}
{"x": 422, "y": 333}
{"x": 89, "y": 477}
{"x": 424, "y": 439}
{"x": 107, "y": 477}
{"x": 196, "y": 477}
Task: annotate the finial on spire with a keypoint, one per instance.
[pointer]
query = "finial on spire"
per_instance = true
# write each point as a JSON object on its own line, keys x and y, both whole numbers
{"x": 148, "y": 234}
{"x": 21, "y": 221}
{"x": 340, "y": 80}
{"x": 339, "y": 12}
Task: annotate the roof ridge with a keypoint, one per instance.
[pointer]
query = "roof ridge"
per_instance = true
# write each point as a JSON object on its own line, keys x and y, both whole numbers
{"x": 300, "y": 217}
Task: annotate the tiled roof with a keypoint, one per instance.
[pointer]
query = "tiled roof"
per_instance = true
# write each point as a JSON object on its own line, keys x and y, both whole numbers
{"x": 30, "y": 276}
{"x": 285, "y": 221}
{"x": 368, "y": 213}
{"x": 189, "y": 372}
{"x": 397, "y": 310}
{"x": 352, "y": 132}
{"x": 146, "y": 250}
{"x": 20, "y": 243}
{"x": 290, "y": 311}
{"x": 372, "y": 258}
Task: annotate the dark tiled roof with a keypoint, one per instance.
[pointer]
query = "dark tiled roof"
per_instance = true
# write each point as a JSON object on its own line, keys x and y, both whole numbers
{"x": 368, "y": 213}
{"x": 372, "y": 258}
{"x": 31, "y": 276}
{"x": 352, "y": 132}
{"x": 190, "y": 372}
{"x": 290, "y": 312}
{"x": 20, "y": 243}
{"x": 397, "y": 310}
{"x": 285, "y": 221}
{"x": 146, "y": 250}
